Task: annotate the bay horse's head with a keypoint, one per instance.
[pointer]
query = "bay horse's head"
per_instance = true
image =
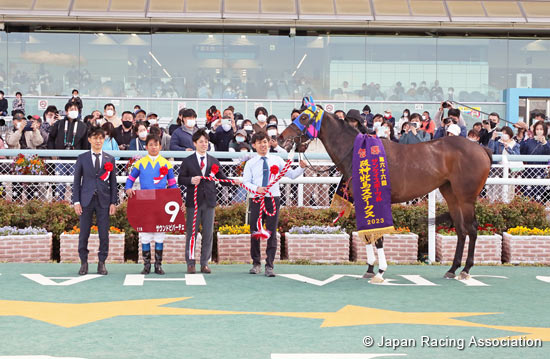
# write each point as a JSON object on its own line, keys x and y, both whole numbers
{"x": 292, "y": 136}
{"x": 303, "y": 129}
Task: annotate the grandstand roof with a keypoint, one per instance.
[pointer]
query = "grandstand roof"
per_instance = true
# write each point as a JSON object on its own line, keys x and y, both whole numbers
{"x": 467, "y": 15}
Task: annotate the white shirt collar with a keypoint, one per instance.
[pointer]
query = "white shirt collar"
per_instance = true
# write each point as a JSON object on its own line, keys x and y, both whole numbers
{"x": 153, "y": 158}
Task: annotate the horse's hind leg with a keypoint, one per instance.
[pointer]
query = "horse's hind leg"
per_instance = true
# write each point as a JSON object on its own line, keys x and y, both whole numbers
{"x": 456, "y": 215}
{"x": 370, "y": 261}
{"x": 382, "y": 264}
{"x": 470, "y": 225}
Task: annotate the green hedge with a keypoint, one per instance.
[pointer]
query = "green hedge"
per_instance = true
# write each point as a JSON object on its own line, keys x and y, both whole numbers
{"x": 57, "y": 217}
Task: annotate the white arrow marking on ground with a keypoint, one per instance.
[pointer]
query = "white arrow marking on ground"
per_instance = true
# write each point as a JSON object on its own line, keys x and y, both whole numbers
{"x": 476, "y": 283}
{"x": 40, "y": 279}
{"x": 301, "y": 278}
{"x": 543, "y": 278}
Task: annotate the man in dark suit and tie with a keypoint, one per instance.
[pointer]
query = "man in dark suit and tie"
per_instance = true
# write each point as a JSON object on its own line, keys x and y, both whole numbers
{"x": 94, "y": 190}
{"x": 192, "y": 168}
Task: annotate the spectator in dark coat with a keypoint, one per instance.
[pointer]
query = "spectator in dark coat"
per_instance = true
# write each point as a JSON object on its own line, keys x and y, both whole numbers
{"x": 182, "y": 137}
{"x": 76, "y": 100}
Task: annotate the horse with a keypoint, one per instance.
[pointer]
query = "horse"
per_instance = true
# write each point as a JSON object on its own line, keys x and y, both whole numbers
{"x": 456, "y": 166}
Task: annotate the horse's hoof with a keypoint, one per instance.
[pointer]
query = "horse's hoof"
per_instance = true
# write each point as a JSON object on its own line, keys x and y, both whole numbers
{"x": 464, "y": 276}
{"x": 449, "y": 275}
{"x": 368, "y": 275}
{"x": 377, "y": 279}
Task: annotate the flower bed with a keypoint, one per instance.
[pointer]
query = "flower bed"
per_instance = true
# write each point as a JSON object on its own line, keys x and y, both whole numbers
{"x": 400, "y": 247}
{"x": 526, "y": 245}
{"x": 318, "y": 244}
{"x": 68, "y": 245}
{"x": 234, "y": 244}
{"x": 25, "y": 245}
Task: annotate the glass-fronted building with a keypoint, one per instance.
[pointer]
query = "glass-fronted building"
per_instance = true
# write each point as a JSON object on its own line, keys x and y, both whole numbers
{"x": 390, "y": 52}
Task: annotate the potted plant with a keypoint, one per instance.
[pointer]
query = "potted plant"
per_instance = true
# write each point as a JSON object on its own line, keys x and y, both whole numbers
{"x": 317, "y": 243}
{"x": 526, "y": 245}
{"x": 234, "y": 244}
{"x": 399, "y": 247}
{"x": 488, "y": 245}
{"x": 25, "y": 244}
{"x": 27, "y": 165}
{"x": 68, "y": 245}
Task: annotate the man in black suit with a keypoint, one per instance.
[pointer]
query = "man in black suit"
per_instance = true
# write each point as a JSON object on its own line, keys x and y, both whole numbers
{"x": 192, "y": 168}
{"x": 94, "y": 190}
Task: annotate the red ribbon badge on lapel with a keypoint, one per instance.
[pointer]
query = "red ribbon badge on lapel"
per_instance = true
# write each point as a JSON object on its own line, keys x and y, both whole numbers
{"x": 274, "y": 171}
{"x": 108, "y": 168}
{"x": 214, "y": 170}
{"x": 163, "y": 172}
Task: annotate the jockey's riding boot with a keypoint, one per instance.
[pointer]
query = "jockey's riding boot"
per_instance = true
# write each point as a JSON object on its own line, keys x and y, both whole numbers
{"x": 158, "y": 262}
{"x": 146, "y": 262}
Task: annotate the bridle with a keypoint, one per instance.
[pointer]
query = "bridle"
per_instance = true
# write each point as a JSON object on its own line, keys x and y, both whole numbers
{"x": 305, "y": 131}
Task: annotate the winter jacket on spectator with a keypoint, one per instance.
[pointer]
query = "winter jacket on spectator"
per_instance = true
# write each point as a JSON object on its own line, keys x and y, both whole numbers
{"x": 61, "y": 135}
{"x": 221, "y": 138}
{"x": 3, "y": 107}
{"x": 18, "y": 104}
{"x": 137, "y": 145}
{"x": 534, "y": 147}
{"x": 182, "y": 139}
{"x": 367, "y": 119}
{"x": 26, "y": 139}
{"x": 498, "y": 147}
{"x": 77, "y": 101}
{"x": 410, "y": 138}
{"x": 123, "y": 137}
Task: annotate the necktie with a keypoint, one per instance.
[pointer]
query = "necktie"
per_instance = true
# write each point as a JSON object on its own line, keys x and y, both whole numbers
{"x": 266, "y": 172}
{"x": 97, "y": 162}
{"x": 202, "y": 163}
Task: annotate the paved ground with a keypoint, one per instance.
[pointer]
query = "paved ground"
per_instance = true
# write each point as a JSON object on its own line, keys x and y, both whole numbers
{"x": 304, "y": 310}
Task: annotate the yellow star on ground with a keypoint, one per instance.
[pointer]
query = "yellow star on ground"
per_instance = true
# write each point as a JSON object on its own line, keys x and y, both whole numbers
{"x": 352, "y": 315}
{"x": 72, "y": 315}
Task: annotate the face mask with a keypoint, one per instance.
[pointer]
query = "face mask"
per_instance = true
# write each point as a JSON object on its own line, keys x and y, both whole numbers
{"x": 191, "y": 123}
{"x": 49, "y": 120}
{"x": 226, "y": 127}
{"x": 376, "y": 125}
{"x": 153, "y": 121}
{"x": 272, "y": 133}
{"x": 142, "y": 135}
{"x": 387, "y": 115}
{"x": 423, "y": 118}
{"x": 505, "y": 137}
{"x": 405, "y": 116}
{"x": 127, "y": 124}
{"x": 239, "y": 139}
{"x": 239, "y": 123}
{"x": 262, "y": 118}
{"x": 273, "y": 123}
{"x": 109, "y": 113}
{"x": 73, "y": 114}
{"x": 248, "y": 128}
{"x": 75, "y": 96}
{"x": 472, "y": 139}
{"x": 493, "y": 125}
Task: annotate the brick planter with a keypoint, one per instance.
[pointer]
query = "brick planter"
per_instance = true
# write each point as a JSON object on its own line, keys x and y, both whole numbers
{"x": 174, "y": 249}
{"x": 236, "y": 248}
{"x": 488, "y": 249}
{"x": 398, "y": 248}
{"x": 318, "y": 247}
{"x": 525, "y": 249}
{"x": 68, "y": 248}
{"x": 31, "y": 248}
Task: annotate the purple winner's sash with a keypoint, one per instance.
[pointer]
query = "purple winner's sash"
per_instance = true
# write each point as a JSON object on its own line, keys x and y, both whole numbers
{"x": 371, "y": 189}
